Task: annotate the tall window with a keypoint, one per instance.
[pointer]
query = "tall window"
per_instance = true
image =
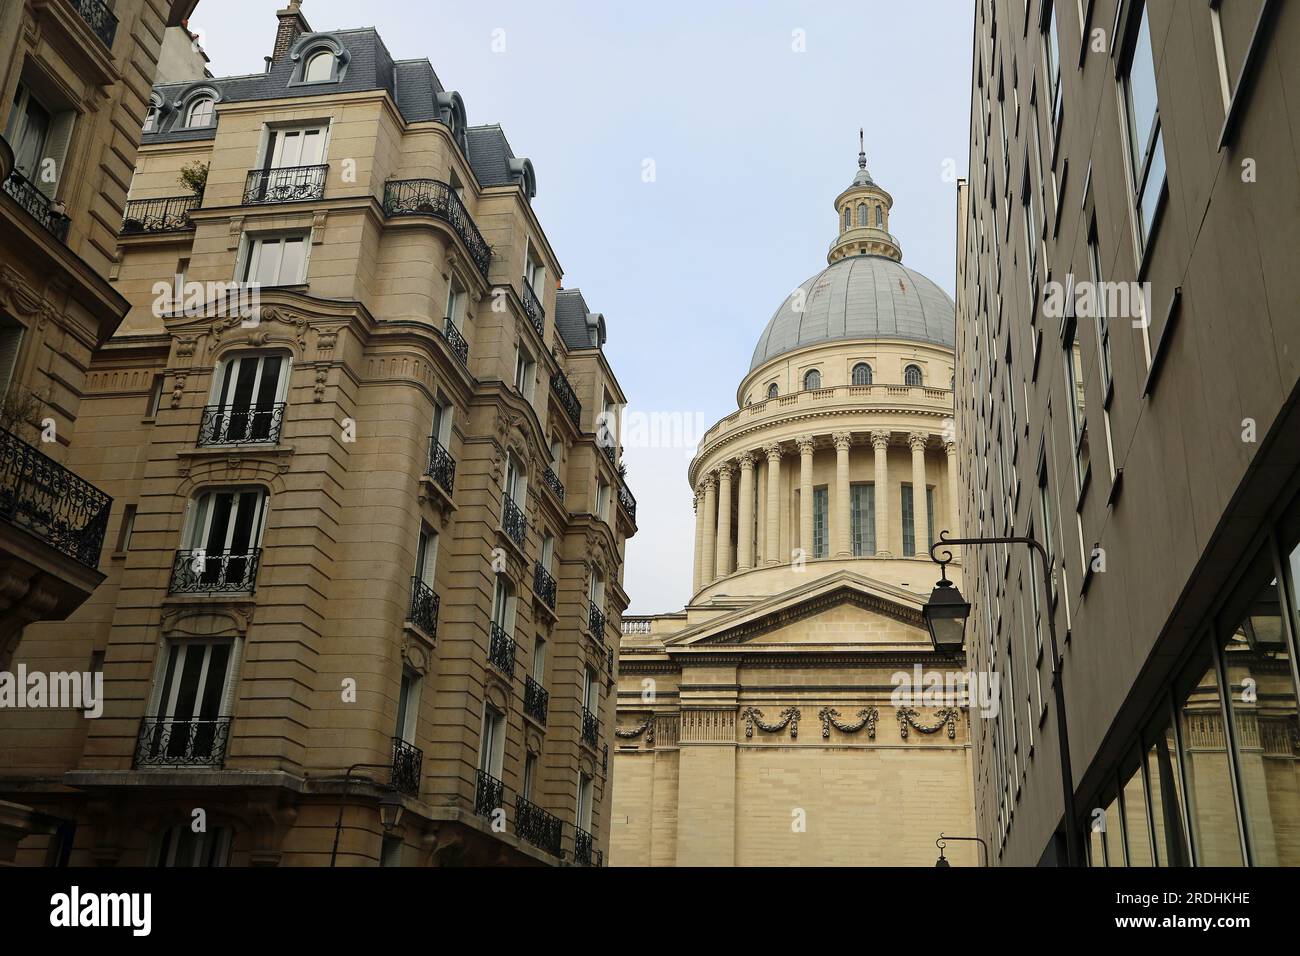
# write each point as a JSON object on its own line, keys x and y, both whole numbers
{"x": 880, "y": 217}
{"x": 1045, "y": 515}
{"x": 249, "y": 394}
{"x": 503, "y": 606}
{"x": 848, "y": 217}
{"x": 180, "y": 846}
{"x": 492, "y": 746}
{"x": 861, "y": 374}
{"x": 295, "y": 146}
{"x": 457, "y": 298}
{"x": 30, "y": 134}
{"x": 319, "y": 68}
{"x": 223, "y": 534}
{"x": 1142, "y": 122}
{"x": 586, "y": 790}
{"x": 812, "y": 379}
{"x": 534, "y": 270}
{"x": 277, "y": 260}
{"x": 408, "y": 700}
{"x": 515, "y": 482}
{"x": 525, "y": 373}
{"x": 1052, "y": 61}
{"x": 189, "y": 703}
{"x": 819, "y": 547}
{"x": 909, "y": 520}
{"x": 862, "y": 504}
{"x": 1075, "y": 402}
{"x": 862, "y": 214}
{"x": 200, "y": 112}
{"x": 426, "y": 555}
{"x": 912, "y": 375}
{"x": 11, "y": 340}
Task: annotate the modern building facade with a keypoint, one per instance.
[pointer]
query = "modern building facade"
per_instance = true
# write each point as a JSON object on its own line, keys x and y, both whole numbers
{"x": 758, "y": 726}
{"x": 363, "y": 565}
{"x": 1126, "y": 394}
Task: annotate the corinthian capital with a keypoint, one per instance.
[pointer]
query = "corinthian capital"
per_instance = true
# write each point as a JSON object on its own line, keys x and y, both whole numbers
{"x": 842, "y": 440}
{"x": 805, "y": 443}
{"x": 773, "y": 451}
{"x": 880, "y": 439}
{"x": 710, "y": 482}
{"x": 746, "y": 460}
{"x": 918, "y": 440}
{"x": 725, "y": 471}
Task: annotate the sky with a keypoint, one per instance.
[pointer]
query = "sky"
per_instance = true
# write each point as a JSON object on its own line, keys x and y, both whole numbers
{"x": 687, "y": 159}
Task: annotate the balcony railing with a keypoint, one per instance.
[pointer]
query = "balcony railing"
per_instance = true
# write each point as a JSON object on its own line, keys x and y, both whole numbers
{"x": 37, "y": 205}
{"x": 287, "y": 184}
{"x": 99, "y": 18}
{"x": 544, "y": 585}
{"x": 584, "y": 853}
{"x": 596, "y": 621}
{"x": 541, "y": 829}
{"x": 590, "y": 729}
{"x": 45, "y": 499}
{"x": 171, "y": 214}
{"x": 626, "y": 501}
{"x": 442, "y": 467}
{"x": 167, "y": 742}
{"x": 513, "y": 522}
{"x": 610, "y": 452}
{"x": 424, "y": 607}
{"x": 197, "y": 571}
{"x": 604, "y": 761}
{"x": 533, "y": 307}
{"x": 456, "y": 342}
{"x": 224, "y": 425}
{"x": 609, "y": 660}
{"x": 431, "y": 197}
{"x": 408, "y": 760}
{"x": 501, "y": 650}
{"x": 551, "y": 480}
{"x": 489, "y": 794}
{"x": 537, "y": 701}
{"x": 567, "y": 398}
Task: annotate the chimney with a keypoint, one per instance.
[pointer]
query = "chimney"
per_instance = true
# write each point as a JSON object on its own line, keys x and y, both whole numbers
{"x": 292, "y": 25}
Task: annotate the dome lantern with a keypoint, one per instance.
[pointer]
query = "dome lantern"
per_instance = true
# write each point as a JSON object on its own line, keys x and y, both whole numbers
{"x": 863, "y": 216}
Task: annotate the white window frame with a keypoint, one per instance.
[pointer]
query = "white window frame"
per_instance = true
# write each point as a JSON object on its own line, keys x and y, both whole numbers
{"x": 254, "y": 247}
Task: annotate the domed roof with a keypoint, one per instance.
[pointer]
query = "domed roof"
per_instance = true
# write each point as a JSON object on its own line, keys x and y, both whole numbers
{"x": 860, "y": 297}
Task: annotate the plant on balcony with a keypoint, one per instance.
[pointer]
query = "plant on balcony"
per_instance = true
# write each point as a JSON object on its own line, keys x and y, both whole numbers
{"x": 20, "y": 411}
{"x": 194, "y": 177}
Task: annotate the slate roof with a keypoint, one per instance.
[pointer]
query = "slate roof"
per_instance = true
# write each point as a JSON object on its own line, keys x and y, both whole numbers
{"x": 860, "y": 297}
{"x": 579, "y": 327}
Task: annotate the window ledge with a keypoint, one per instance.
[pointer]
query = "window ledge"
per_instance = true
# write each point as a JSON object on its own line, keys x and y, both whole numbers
{"x": 1161, "y": 351}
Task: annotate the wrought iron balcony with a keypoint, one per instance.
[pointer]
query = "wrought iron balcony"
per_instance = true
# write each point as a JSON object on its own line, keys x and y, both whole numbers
{"x": 584, "y": 853}
{"x": 489, "y": 794}
{"x": 590, "y": 729}
{"x": 513, "y": 522}
{"x": 424, "y": 607}
{"x": 544, "y": 585}
{"x": 45, "y": 499}
{"x": 432, "y": 197}
{"x": 171, "y": 214}
{"x": 442, "y": 467}
{"x": 537, "y": 701}
{"x": 168, "y": 742}
{"x": 99, "y": 18}
{"x": 604, "y": 761}
{"x": 37, "y": 205}
{"x": 596, "y": 621}
{"x": 455, "y": 341}
{"x": 541, "y": 829}
{"x": 609, "y": 660}
{"x": 226, "y": 425}
{"x": 198, "y": 571}
{"x": 533, "y": 307}
{"x": 501, "y": 650}
{"x": 626, "y": 501}
{"x": 551, "y": 480}
{"x": 408, "y": 760}
{"x": 567, "y": 398}
{"x": 287, "y": 184}
{"x": 611, "y": 453}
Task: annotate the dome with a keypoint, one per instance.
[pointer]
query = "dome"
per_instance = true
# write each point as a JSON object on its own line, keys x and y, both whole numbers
{"x": 860, "y": 297}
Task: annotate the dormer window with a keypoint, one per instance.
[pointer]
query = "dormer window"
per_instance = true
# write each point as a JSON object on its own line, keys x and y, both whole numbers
{"x": 150, "y": 119}
{"x": 319, "y": 67}
{"x": 200, "y": 113}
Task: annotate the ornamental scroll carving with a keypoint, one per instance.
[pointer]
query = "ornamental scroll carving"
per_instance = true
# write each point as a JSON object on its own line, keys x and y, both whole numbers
{"x": 830, "y": 718}
{"x": 943, "y": 717}
{"x": 789, "y": 717}
{"x": 647, "y": 728}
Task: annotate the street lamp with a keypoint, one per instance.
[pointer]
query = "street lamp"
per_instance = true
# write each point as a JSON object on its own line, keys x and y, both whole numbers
{"x": 945, "y": 618}
{"x": 390, "y": 810}
{"x": 942, "y": 842}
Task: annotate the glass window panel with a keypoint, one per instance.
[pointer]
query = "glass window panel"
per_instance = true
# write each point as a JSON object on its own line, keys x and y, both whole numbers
{"x": 909, "y": 533}
{"x": 1211, "y": 807}
{"x": 1136, "y": 833}
{"x": 1141, "y": 94}
{"x": 1114, "y": 835}
{"x": 1155, "y": 179}
{"x": 1167, "y": 800}
{"x": 293, "y": 262}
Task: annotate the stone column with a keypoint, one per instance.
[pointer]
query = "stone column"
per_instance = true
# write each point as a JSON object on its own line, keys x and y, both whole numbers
{"x": 710, "y": 527}
{"x": 745, "y": 533}
{"x": 880, "y": 444}
{"x": 760, "y": 508}
{"x": 843, "y": 518}
{"x": 920, "y": 515}
{"x": 699, "y": 539}
{"x": 773, "y": 452}
{"x": 805, "y": 443}
{"x": 954, "y": 512}
{"x": 724, "y": 519}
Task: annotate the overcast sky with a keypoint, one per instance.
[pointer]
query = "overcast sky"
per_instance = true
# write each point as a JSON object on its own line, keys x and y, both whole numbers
{"x": 687, "y": 155}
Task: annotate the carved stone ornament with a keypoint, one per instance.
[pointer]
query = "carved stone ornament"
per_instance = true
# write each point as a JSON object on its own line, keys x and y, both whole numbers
{"x": 789, "y": 717}
{"x": 830, "y": 718}
{"x": 178, "y": 389}
{"x": 647, "y": 728}
{"x": 944, "y": 717}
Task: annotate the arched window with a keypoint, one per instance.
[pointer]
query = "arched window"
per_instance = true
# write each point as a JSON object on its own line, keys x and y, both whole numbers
{"x": 848, "y": 217}
{"x": 150, "y": 119}
{"x": 862, "y": 374}
{"x": 200, "y": 112}
{"x": 880, "y": 217}
{"x": 812, "y": 379}
{"x": 320, "y": 67}
{"x": 771, "y": 390}
{"x": 912, "y": 375}
{"x": 862, "y": 214}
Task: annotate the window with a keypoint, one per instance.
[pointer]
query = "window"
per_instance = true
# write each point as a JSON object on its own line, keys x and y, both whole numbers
{"x": 548, "y": 551}
{"x": 812, "y": 379}
{"x": 1045, "y": 515}
{"x": 848, "y": 217}
{"x": 1232, "y": 40}
{"x": 1167, "y": 817}
{"x": 602, "y": 499}
{"x": 1075, "y": 403}
{"x": 503, "y": 605}
{"x": 590, "y": 689}
{"x": 492, "y": 748}
{"x": 772, "y": 390}
{"x": 180, "y": 846}
{"x": 223, "y": 535}
{"x": 1052, "y": 61}
{"x": 295, "y": 146}
{"x": 880, "y": 217}
{"x": 443, "y": 415}
{"x": 534, "y": 270}
{"x": 190, "y": 703}
{"x": 1207, "y": 767}
{"x": 862, "y": 214}
{"x": 819, "y": 547}
{"x": 150, "y": 119}
{"x": 39, "y": 133}
{"x": 516, "y": 484}
{"x": 530, "y": 774}
{"x": 539, "y": 661}
{"x": 862, "y": 509}
{"x": 1142, "y": 124}
{"x": 861, "y": 374}
{"x": 426, "y": 555}
{"x": 390, "y": 851}
{"x": 585, "y": 793}
{"x": 11, "y": 339}
{"x": 912, "y": 375}
{"x": 248, "y": 396}
{"x": 155, "y": 396}
{"x": 277, "y": 260}
{"x": 200, "y": 112}
{"x": 457, "y": 298}
{"x": 408, "y": 702}
{"x": 525, "y": 373}
{"x": 909, "y": 519}
{"x": 319, "y": 68}
{"x": 126, "y": 529}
